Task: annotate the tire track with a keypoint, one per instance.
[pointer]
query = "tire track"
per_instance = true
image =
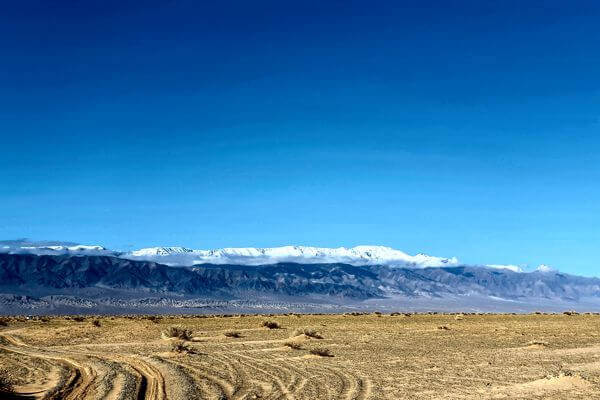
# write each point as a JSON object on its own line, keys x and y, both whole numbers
{"x": 77, "y": 384}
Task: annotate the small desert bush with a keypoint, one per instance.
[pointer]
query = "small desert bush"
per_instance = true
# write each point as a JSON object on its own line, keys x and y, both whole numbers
{"x": 443, "y": 328}
{"x": 458, "y": 317}
{"x": 293, "y": 345}
{"x": 5, "y": 385}
{"x": 308, "y": 332}
{"x": 178, "y": 331}
{"x": 179, "y": 346}
{"x": 321, "y": 351}
{"x": 3, "y": 322}
{"x": 78, "y": 318}
{"x": 571, "y": 312}
{"x": 96, "y": 323}
{"x": 271, "y": 324}
{"x": 153, "y": 318}
{"x": 233, "y": 334}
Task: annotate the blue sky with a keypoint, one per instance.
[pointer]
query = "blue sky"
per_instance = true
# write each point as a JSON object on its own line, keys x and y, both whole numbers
{"x": 465, "y": 128}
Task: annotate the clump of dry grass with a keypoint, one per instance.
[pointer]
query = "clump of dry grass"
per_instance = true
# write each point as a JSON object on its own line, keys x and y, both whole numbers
{"x": 271, "y": 324}
{"x": 5, "y": 384}
{"x": 293, "y": 345}
{"x": 178, "y": 331}
{"x": 307, "y": 332}
{"x": 321, "y": 351}
{"x": 96, "y": 323}
{"x": 233, "y": 334}
{"x": 443, "y": 328}
{"x": 3, "y": 322}
{"x": 571, "y": 312}
{"x": 78, "y": 318}
{"x": 179, "y": 346}
{"x": 458, "y": 317}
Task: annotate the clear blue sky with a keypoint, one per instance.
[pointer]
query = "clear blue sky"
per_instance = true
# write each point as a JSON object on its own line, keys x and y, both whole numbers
{"x": 464, "y": 128}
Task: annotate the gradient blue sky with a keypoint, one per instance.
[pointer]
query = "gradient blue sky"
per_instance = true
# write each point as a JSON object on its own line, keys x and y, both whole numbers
{"x": 462, "y": 128}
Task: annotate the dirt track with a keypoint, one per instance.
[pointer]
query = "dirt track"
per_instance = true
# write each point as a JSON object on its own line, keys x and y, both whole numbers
{"x": 374, "y": 357}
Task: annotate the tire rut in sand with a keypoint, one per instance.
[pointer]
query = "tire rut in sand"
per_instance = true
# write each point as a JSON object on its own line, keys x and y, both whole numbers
{"x": 75, "y": 383}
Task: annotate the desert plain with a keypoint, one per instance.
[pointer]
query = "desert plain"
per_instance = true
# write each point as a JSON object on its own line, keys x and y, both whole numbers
{"x": 302, "y": 356}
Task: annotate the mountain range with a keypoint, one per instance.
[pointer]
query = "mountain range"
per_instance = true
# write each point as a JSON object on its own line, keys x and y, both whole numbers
{"x": 54, "y": 277}
{"x": 181, "y": 256}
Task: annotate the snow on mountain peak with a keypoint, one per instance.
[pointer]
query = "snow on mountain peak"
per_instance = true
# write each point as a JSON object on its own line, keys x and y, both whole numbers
{"x": 43, "y": 249}
{"x": 359, "y": 255}
{"x": 545, "y": 268}
{"x": 510, "y": 267}
{"x": 182, "y": 256}
{"x": 159, "y": 251}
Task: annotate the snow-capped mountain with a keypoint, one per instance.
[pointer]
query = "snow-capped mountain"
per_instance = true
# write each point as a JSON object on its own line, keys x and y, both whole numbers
{"x": 359, "y": 255}
{"x": 24, "y": 246}
{"x": 510, "y": 267}
{"x": 545, "y": 268}
{"x": 252, "y": 256}
{"x": 181, "y": 256}
{"x": 337, "y": 275}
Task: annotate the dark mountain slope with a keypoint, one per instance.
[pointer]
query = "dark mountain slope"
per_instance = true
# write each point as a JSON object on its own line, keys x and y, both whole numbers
{"x": 23, "y": 273}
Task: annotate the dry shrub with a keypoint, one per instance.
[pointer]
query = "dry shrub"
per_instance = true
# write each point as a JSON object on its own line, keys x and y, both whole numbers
{"x": 3, "y": 322}
{"x": 78, "y": 319}
{"x": 321, "y": 351}
{"x": 271, "y": 324}
{"x": 233, "y": 334}
{"x": 308, "y": 332}
{"x": 96, "y": 323}
{"x": 179, "y": 346}
{"x": 293, "y": 345}
{"x": 178, "y": 331}
{"x": 458, "y": 317}
{"x": 570, "y": 312}
{"x": 443, "y": 328}
{"x": 153, "y": 318}
{"x": 5, "y": 385}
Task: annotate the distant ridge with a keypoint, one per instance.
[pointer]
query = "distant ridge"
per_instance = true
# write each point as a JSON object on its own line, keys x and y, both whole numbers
{"x": 81, "y": 280}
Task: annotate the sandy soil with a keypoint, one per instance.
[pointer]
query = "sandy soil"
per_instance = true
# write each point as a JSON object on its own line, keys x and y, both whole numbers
{"x": 372, "y": 357}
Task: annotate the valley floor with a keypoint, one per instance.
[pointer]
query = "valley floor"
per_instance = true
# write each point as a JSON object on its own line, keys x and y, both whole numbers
{"x": 365, "y": 356}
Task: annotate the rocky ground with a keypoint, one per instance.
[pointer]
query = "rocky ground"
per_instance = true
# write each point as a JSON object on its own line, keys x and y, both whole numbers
{"x": 351, "y": 356}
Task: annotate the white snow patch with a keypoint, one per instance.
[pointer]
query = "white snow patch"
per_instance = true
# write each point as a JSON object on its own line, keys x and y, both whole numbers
{"x": 545, "y": 268}
{"x": 510, "y": 267}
